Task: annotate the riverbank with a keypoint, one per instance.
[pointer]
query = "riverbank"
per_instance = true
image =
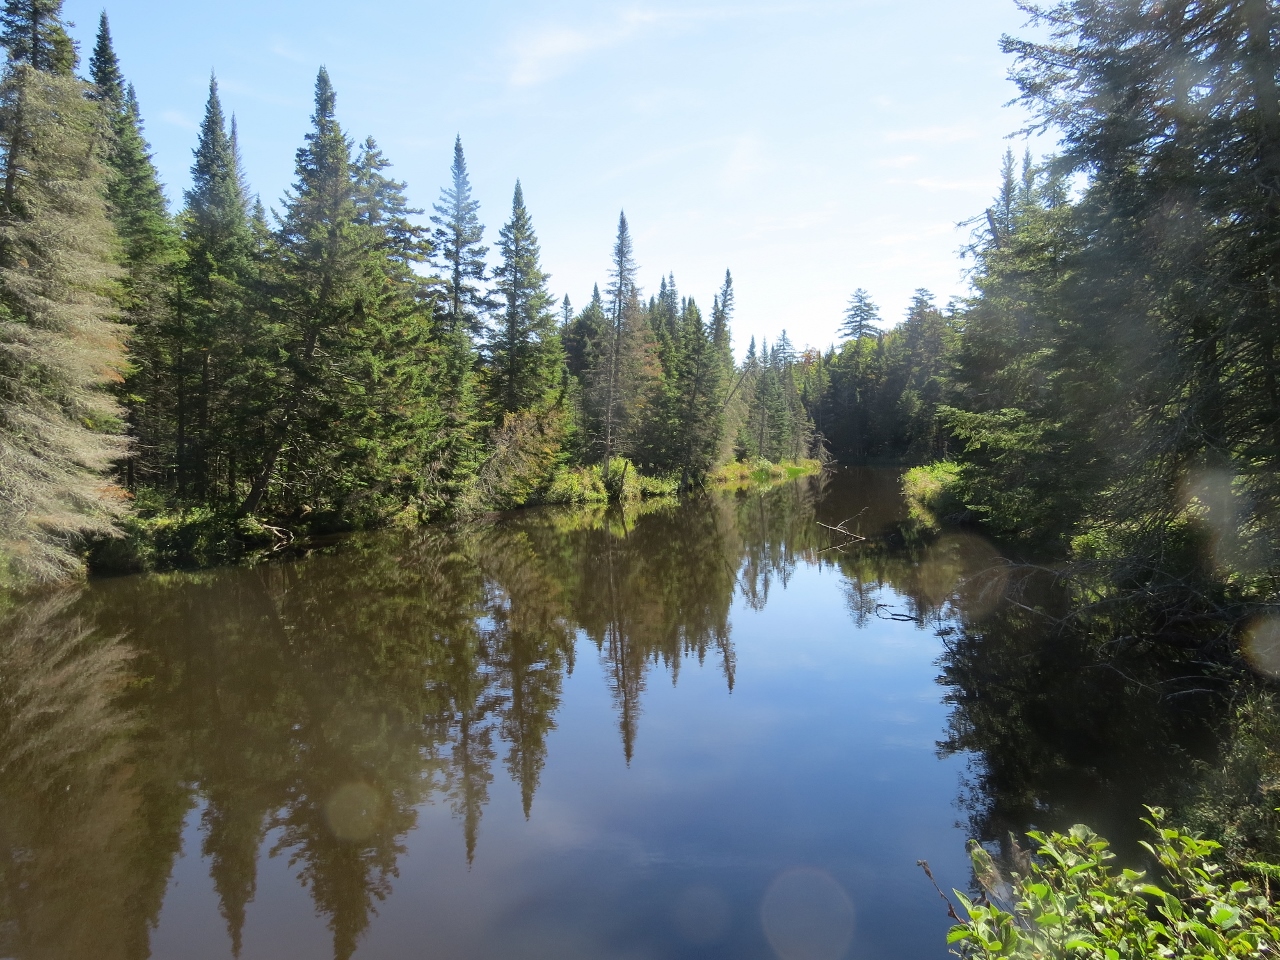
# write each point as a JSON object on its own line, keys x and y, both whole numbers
{"x": 157, "y": 538}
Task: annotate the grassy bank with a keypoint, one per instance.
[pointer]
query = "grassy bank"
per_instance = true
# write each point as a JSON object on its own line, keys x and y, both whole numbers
{"x": 745, "y": 474}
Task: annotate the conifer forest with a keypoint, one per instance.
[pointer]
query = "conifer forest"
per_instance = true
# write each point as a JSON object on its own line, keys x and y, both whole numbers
{"x": 309, "y": 504}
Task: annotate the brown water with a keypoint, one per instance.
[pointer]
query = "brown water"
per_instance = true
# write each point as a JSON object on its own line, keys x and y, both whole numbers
{"x": 700, "y": 730}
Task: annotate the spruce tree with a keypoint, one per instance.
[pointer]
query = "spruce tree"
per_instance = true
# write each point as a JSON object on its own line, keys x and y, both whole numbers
{"x": 317, "y": 397}
{"x": 584, "y": 336}
{"x": 523, "y": 349}
{"x": 104, "y": 67}
{"x": 623, "y": 361}
{"x": 353, "y": 418}
{"x": 140, "y": 213}
{"x": 459, "y": 236}
{"x": 214, "y": 331}
{"x": 34, "y": 33}
{"x": 59, "y": 348}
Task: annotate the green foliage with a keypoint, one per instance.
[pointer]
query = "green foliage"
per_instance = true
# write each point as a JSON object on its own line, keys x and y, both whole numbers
{"x": 878, "y": 396}
{"x": 1235, "y": 795}
{"x": 744, "y": 474}
{"x": 523, "y": 350}
{"x": 156, "y": 539}
{"x": 577, "y": 485}
{"x": 458, "y": 237}
{"x": 932, "y": 493}
{"x": 60, "y": 348}
{"x": 1069, "y": 901}
{"x": 35, "y": 33}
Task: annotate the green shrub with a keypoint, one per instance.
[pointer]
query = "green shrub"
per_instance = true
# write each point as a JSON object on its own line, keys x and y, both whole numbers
{"x": 665, "y": 485}
{"x": 1068, "y": 901}
{"x": 576, "y": 485}
{"x": 932, "y": 493}
{"x": 197, "y": 537}
{"x": 742, "y": 474}
{"x": 622, "y": 480}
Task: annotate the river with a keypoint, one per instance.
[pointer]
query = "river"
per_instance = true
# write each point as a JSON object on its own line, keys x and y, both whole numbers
{"x": 718, "y": 729}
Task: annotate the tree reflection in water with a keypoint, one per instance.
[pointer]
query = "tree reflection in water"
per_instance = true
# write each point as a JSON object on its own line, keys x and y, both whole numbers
{"x": 316, "y": 706}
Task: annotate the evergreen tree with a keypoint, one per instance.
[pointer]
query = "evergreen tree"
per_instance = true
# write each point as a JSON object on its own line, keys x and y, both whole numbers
{"x": 140, "y": 213}
{"x": 104, "y": 67}
{"x": 458, "y": 238}
{"x": 584, "y": 336}
{"x": 59, "y": 347}
{"x": 861, "y": 317}
{"x": 523, "y": 350}
{"x": 354, "y": 418}
{"x": 695, "y": 383}
{"x": 34, "y": 33}
{"x": 623, "y": 366}
{"x": 215, "y": 334}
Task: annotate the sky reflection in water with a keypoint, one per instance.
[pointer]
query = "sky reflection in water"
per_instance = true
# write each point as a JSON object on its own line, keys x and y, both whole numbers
{"x": 687, "y": 731}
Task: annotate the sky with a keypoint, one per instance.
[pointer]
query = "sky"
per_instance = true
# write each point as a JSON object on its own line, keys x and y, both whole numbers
{"x": 809, "y": 147}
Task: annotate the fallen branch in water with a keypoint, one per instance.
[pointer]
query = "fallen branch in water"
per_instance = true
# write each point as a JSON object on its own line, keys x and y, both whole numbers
{"x": 849, "y": 535}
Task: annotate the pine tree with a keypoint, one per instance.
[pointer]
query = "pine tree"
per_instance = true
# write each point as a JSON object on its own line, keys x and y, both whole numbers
{"x": 695, "y": 384}
{"x": 861, "y": 317}
{"x": 384, "y": 208}
{"x": 318, "y": 395}
{"x": 34, "y": 33}
{"x": 458, "y": 237}
{"x": 523, "y": 349}
{"x": 59, "y": 348}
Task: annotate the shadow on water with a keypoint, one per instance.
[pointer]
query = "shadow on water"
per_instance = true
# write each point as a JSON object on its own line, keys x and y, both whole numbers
{"x": 312, "y": 709}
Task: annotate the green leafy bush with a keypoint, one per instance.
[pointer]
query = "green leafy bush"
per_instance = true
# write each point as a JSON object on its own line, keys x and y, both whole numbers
{"x": 192, "y": 538}
{"x": 762, "y": 473}
{"x": 576, "y": 485}
{"x": 1068, "y": 901}
{"x": 933, "y": 494}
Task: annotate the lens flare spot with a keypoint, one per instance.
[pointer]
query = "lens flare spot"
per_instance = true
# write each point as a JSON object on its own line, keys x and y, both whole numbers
{"x": 355, "y": 811}
{"x": 702, "y": 915}
{"x": 1261, "y": 645}
{"x": 807, "y": 916}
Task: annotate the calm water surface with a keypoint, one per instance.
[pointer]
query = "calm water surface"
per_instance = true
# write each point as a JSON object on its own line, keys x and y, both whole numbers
{"x": 684, "y": 731}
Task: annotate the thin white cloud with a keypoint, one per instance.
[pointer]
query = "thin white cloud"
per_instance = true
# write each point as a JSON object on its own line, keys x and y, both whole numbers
{"x": 286, "y": 52}
{"x": 178, "y": 119}
{"x": 553, "y": 50}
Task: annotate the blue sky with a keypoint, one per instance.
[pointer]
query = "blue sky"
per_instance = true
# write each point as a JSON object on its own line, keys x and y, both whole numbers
{"x": 810, "y": 147}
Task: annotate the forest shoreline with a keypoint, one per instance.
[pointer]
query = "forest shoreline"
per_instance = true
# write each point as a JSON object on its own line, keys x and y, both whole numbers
{"x": 156, "y": 539}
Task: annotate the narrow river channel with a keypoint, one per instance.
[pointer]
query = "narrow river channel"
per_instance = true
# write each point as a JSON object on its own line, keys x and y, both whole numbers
{"x": 712, "y": 730}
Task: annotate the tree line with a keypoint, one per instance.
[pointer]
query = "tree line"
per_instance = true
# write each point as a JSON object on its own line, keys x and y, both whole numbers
{"x": 334, "y": 364}
{"x": 1111, "y": 387}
